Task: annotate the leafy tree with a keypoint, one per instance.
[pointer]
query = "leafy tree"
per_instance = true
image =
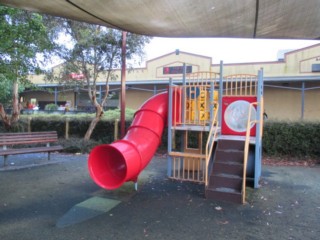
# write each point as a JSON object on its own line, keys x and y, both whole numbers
{"x": 24, "y": 40}
{"x": 5, "y": 90}
{"x": 94, "y": 52}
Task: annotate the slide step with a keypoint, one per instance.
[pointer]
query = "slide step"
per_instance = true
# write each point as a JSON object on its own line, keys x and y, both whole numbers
{"x": 224, "y": 194}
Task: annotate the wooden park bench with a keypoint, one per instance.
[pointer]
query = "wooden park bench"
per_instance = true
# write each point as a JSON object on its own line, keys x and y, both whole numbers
{"x": 28, "y": 142}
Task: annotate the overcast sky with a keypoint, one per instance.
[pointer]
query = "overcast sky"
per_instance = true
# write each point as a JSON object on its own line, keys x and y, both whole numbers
{"x": 228, "y": 50}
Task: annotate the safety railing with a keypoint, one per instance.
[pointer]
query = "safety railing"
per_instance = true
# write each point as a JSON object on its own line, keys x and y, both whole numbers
{"x": 201, "y": 78}
{"x": 194, "y": 104}
{"x": 197, "y": 105}
{"x": 193, "y": 99}
{"x": 210, "y": 143}
{"x": 188, "y": 166}
{"x": 240, "y": 85}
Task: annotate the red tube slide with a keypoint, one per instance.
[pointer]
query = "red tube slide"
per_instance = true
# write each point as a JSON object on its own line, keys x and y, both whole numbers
{"x": 111, "y": 165}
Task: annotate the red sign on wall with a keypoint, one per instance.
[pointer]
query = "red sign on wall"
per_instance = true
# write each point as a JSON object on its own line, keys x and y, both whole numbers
{"x": 176, "y": 70}
{"x": 76, "y": 76}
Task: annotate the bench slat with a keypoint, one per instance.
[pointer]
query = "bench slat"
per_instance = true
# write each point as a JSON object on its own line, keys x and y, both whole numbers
{"x": 28, "y": 138}
{"x": 26, "y": 133}
{"x": 8, "y": 135}
{"x": 27, "y": 142}
{"x": 30, "y": 150}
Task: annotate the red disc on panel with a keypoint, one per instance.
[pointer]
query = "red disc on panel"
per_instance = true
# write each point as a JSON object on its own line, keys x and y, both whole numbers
{"x": 235, "y": 110}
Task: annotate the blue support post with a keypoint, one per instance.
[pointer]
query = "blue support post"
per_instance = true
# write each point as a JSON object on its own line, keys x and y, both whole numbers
{"x": 155, "y": 89}
{"x": 211, "y": 102}
{"x": 302, "y": 99}
{"x": 55, "y": 96}
{"x": 258, "y": 147}
{"x": 100, "y": 93}
{"x": 183, "y": 104}
{"x": 170, "y": 98}
{"x": 220, "y": 94}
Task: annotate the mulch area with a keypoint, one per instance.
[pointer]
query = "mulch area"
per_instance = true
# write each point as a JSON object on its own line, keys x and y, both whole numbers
{"x": 289, "y": 161}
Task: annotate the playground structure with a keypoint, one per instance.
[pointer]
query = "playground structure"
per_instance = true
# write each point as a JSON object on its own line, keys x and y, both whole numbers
{"x": 214, "y": 136}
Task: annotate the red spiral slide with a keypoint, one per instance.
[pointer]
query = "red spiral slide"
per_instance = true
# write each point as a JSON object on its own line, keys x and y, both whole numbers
{"x": 111, "y": 165}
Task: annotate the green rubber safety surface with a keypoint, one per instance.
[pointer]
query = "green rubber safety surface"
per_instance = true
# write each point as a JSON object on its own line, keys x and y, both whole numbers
{"x": 85, "y": 210}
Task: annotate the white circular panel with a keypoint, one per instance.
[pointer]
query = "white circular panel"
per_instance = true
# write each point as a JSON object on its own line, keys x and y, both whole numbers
{"x": 236, "y": 115}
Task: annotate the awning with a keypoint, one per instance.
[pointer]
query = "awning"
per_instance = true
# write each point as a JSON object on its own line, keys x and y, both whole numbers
{"x": 277, "y": 19}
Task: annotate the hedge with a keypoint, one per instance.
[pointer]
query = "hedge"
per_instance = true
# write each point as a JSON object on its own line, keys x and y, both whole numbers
{"x": 290, "y": 139}
{"x": 294, "y": 139}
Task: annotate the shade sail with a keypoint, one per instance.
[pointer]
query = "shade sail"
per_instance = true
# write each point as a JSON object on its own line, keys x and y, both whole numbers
{"x": 278, "y": 19}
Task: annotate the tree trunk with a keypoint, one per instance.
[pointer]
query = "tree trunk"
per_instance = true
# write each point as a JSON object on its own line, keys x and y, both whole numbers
{"x": 7, "y": 121}
{"x": 99, "y": 114}
{"x": 15, "y": 104}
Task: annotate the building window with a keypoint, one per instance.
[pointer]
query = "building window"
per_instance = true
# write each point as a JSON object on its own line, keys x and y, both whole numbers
{"x": 176, "y": 70}
{"x": 315, "y": 67}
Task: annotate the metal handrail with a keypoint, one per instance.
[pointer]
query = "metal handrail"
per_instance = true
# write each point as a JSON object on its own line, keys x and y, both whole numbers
{"x": 246, "y": 146}
{"x": 210, "y": 141}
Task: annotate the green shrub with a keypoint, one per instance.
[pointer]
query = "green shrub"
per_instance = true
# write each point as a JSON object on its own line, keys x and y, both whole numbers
{"x": 76, "y": 145}
{"x": 293, "y": 139}
{"x": 51, "y": 107}
{"x": 115, "y": 114}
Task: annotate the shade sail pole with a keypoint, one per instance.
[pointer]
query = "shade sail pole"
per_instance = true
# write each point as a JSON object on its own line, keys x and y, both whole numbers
{"x": 123, "y": 86}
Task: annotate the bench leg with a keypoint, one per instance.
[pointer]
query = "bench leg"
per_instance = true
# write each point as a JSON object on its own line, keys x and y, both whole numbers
{"x": 48, "y": 156}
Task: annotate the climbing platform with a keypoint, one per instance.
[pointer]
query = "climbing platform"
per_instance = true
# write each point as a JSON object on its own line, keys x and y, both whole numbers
{"x": 215, "y": 131}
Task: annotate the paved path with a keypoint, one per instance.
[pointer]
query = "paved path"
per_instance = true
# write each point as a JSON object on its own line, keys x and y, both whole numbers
{"x": 60, "y": 201}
